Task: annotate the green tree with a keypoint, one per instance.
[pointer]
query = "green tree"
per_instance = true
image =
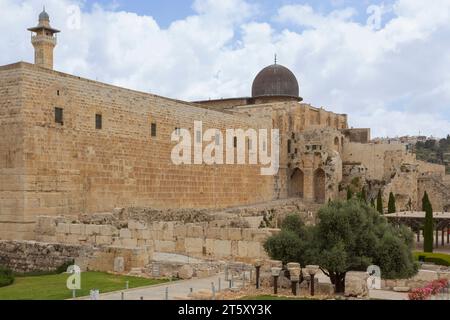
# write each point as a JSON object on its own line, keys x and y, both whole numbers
{"x": 349, "y": 193}
{"x": 372, "y": 203}
{"x": 391, "y": 205}
{"x": 380, "y": 203}
{"x": 428, "y": 228}
{"x": 350, "y": 236}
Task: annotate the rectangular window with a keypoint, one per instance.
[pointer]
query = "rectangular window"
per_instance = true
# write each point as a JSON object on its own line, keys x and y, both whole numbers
{"x": 235, "y": 142}
{"x": 289, "y": 146}
{"x": 59, "y": 116}
{"x": 98, "y": 122}
{"x": 153, "y": 129}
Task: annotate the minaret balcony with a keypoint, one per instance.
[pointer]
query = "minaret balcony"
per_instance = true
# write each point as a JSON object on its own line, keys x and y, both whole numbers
{"x": 35, "y": 39}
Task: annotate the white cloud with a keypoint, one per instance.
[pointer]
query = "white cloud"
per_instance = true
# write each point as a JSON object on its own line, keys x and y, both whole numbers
{"x": 395, "y": 79}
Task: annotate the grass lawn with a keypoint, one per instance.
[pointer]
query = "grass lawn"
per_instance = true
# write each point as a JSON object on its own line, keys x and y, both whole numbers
{"x": 53, "y": 287}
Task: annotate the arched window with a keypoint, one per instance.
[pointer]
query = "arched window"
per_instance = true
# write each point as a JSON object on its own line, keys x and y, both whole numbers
{"x": 296, "y": 184}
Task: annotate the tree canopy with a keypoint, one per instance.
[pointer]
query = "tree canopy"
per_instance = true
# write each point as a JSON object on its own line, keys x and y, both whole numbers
{"x": 350, "y": 236}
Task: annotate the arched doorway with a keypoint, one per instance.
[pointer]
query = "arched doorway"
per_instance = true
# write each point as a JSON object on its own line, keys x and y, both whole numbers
{"x": 296, "y": 184}
{"x": 319, "y": 186}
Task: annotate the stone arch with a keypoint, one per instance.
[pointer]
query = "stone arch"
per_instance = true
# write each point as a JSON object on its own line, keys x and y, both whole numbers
{"x": 319, "y": 185}
{"x": 296, "y": 184}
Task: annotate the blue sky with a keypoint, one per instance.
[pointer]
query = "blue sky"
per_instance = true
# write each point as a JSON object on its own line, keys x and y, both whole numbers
{"x": 393, "y": 77}
{"x": 167, "y": 11}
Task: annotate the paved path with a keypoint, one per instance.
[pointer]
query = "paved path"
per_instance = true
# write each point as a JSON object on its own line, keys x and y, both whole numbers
{"x": 177, "y": 290}
{"x": 387, "y": 295}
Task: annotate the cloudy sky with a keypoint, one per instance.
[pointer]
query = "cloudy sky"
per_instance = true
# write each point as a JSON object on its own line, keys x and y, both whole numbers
{"x": 384, "y": 63}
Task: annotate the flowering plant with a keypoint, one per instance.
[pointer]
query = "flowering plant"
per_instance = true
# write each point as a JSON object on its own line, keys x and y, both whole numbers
{"x": 431, "y": 289}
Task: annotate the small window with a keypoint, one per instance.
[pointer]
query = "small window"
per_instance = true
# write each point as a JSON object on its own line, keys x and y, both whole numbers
{"x": 57, "y": 92}
{"x": 153, "y": 129}
{"x": 98, "y": 122}
{"x": 235, "y": 142}
{"x": 250, "y": 145}
{"x": 289, "y": 146}
{"x": 59, "y": 116}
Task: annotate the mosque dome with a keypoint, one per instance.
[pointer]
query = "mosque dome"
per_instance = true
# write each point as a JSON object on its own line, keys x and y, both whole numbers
{"x": 44, "y": 16}
{"x": 275, "y": 81}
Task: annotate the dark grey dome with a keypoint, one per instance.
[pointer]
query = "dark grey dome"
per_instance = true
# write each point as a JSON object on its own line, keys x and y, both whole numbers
{"x": 275, "y": 80}
{"x": 44, "y": 16}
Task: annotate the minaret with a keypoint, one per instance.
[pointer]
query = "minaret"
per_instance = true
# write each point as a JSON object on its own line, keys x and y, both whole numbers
{"x": 44, "y": 41}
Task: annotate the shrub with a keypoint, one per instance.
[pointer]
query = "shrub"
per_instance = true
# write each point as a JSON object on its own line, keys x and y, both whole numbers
{"x": 6, "y": 277}
{"x": 440, "y": 259}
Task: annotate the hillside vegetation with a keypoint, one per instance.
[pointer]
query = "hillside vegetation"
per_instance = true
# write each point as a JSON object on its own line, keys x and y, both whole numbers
{"x": 435, "y": 151}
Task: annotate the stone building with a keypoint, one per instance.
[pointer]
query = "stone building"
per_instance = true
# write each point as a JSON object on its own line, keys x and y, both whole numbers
{"x": 71, "y": 146}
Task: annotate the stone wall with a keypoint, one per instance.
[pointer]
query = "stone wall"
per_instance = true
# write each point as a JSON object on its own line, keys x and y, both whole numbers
{"x": 12, "y": 171}
{"x": 30, "y": 256}
{"x": 197, "y": 240}
{"x": 374, "y": 157}
{"x": 74, "y": 168}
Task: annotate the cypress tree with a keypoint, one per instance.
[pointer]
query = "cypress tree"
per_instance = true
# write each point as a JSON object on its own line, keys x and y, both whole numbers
{"x": 380, "y": 203}
{"x": 391, "y": 205}
{"x": 428, "y": 228}
{"x": 364, "y": 195}
{"x": 349, "y": 193}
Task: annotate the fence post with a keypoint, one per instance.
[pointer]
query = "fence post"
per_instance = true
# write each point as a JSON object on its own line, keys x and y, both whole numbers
{"x": 167, "y": 293}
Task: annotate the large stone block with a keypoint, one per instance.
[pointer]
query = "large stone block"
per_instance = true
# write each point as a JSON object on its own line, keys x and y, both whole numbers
{"x": 129, "y": 243}
{"x": 136, "y": 225}
{"x": 180, "y": 231}
{"x": 107, "y": 230}
{"x": 92, "y": 230}
{"x": 194, "y": 245}
{"x": 222, "y": 248}
{"x": 164, "y": 246}
{"x": 119, "y": 264}
{"x": 79, "y": 229}
{"x": 356, "y": 284}
{"x": 235, "y": 234}
{"x": 144, "y": 234}
{"x": 125, "y": 233}
{"x": 103, "y": 240}
{"x": 63, "y": 228}
{"x": 194, "y": 231}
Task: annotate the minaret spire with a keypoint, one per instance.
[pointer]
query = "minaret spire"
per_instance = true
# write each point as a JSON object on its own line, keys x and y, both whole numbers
{"x": 275, "y": 58}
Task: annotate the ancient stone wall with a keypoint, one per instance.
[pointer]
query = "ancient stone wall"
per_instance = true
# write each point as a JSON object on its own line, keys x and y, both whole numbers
{"x": 30, "y": 256}
{"x": 377, "y": 158}
{"x": 193, "y": 239}
{"x": 12, "y": 170}
{"x": 74, "y": 168}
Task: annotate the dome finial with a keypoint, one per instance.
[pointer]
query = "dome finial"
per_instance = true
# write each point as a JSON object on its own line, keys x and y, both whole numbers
{"x": 275, "y": 58}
